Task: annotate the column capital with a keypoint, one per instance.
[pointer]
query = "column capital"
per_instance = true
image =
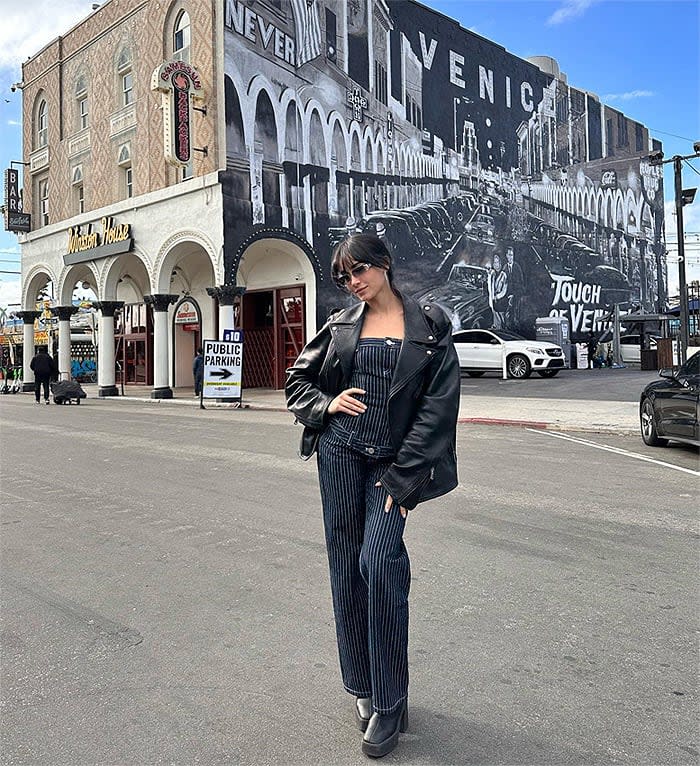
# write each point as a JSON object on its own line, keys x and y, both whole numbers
{"x": 28, "y": 317}
{"x": 225, "y": 294}
{"x": 108, "y": 308}
{"x": 160, "y": 301}
{"x": 64, "y": 312}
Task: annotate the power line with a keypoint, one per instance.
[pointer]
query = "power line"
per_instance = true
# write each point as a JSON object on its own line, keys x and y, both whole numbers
{"x": 692, "y": 167}
{"x": 665, "y": 133}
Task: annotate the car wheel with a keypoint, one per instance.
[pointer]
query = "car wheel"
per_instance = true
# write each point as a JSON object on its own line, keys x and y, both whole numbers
{"x": 518, "y": 366}
{"x": 475, "y": 373}
{"x": 547, "y": 373}
{"x": 646, "y": 421}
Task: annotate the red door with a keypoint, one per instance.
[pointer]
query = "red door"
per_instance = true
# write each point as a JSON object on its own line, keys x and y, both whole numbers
{"x": 290, "y": 329}
{"x": 273, "y": 326}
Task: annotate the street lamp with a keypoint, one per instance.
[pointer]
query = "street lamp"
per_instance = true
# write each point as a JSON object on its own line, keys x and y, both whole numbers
{"x": 681, "y": 198}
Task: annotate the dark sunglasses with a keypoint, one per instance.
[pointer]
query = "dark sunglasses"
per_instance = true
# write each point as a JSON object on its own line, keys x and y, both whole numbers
{"x": 343, "y": 278}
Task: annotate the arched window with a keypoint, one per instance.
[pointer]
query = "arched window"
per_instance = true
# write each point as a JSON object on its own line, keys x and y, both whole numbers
{"x": 126, "y": 77}
{"x": 78, "y": 189}
{"x": 42, "y": 125}
{"x": 127, "y": 173}
{"x": 181, "y": 37}
{"x": 81, "y": 103}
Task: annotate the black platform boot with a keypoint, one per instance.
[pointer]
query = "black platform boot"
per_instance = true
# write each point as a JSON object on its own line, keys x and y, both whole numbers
{"x": 363, "y": 712}
{"x": 382, "y": 733}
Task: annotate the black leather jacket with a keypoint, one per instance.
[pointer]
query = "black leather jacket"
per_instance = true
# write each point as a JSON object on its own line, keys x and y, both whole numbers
{"x": 423, "y": 399}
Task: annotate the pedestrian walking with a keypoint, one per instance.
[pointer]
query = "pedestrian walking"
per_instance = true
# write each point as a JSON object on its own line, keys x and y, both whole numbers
{"x": 592, "y": 345}
{"x": 377, "y": 390}
{"x": 198, "y": 372}
{"x": 44, "y": 367}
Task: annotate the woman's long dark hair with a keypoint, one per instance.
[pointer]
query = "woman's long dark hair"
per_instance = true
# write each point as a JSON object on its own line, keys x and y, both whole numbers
{"x": 362, "y": 247}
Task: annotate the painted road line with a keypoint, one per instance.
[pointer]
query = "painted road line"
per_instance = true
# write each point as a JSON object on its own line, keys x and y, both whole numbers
{"x": 616, "y": 450}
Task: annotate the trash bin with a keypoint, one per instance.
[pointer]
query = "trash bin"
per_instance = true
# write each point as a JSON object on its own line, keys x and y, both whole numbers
{"x": 649, "y": 359}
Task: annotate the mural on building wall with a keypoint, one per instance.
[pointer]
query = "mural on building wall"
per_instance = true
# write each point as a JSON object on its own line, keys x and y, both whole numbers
{"x": 504, "y": 193}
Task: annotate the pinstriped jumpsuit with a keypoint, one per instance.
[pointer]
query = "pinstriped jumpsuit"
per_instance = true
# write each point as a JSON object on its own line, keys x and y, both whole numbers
{"x": 369, "y": 566}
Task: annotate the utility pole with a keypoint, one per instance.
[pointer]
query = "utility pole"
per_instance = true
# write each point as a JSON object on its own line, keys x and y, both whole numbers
{"x": 682, "y": 286}
{"x": 682, "y": 197}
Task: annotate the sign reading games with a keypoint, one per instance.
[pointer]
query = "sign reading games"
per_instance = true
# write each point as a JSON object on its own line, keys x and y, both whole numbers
{"x": 84, "y": 244}
{"x": 179, "y": 83}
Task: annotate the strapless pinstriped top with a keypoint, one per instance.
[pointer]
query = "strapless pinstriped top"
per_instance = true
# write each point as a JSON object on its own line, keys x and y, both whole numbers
{"x": 375, "y": 360}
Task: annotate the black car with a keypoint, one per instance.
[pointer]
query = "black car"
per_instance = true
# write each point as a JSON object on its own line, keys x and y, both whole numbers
{"x": 669, "y": 408}
{"x": 464, "y": 297}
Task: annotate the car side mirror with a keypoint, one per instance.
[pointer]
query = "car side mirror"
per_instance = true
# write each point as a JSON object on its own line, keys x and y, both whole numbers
{"x": 494, "y": 342}
{"x": 667, "y": 372}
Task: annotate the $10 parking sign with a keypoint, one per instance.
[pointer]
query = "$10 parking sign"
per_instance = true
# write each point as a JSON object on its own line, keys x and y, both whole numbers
{"x": 223, "y": 367}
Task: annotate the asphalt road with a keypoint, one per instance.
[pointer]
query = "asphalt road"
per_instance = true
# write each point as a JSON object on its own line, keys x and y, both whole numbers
{"x": 608, "y": 384}
{"x": 165, "y": 597}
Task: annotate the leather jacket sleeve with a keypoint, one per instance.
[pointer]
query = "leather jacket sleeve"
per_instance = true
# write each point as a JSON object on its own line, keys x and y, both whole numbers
{"x": 305, "y": 399}
{"x": 431, "y": 437}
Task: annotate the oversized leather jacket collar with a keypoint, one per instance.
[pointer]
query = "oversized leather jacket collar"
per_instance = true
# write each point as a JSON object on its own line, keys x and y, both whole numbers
{"x": 423, "y": 400}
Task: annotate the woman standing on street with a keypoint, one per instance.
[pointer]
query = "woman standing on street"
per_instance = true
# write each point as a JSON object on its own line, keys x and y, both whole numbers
{"x": 378, "y": 393}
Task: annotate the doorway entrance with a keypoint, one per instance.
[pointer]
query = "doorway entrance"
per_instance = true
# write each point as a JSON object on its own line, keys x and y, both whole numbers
{"x": 274, "y": 334}
{"x": 133, "y": 338}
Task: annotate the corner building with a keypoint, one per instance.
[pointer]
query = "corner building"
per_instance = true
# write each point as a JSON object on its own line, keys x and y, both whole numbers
{"x": 300, "y": 121}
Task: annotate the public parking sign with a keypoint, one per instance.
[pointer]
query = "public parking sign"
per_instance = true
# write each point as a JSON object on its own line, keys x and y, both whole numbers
{"x": 223, "y": 369}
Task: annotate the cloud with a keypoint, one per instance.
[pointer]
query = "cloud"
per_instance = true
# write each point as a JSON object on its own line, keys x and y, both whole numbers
{"x": 14, "y": 123}
{"x": 10, "y": 291}
{"x": 30, "y": 25}
{"x": 570, "y": 9}
{"x": 691, "y": 219}
{"x": 631, "y": 94}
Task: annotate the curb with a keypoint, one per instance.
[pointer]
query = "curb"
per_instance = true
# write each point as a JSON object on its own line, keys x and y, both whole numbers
{"x": 503, "y": 422}
{"x": 594, "y": 428}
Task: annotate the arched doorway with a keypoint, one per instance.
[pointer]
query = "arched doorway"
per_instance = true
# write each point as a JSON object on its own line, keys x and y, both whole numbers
{"x": 277, "y": 309}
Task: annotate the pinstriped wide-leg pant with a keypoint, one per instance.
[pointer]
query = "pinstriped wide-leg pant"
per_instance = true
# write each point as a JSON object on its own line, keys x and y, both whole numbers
{"x": 369, "y": 571}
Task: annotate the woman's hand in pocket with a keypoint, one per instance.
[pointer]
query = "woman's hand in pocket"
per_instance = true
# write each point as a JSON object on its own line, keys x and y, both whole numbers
{"x": 389, "y": 503}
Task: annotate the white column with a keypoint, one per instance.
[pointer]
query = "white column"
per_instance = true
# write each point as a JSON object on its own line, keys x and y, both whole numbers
{"x": 106, "y": 377}
{"x": 160, "y": 303}
{"x": 225, "y": 319}
{"x": 64, "y": 349}
{"x": 160, "y": 355}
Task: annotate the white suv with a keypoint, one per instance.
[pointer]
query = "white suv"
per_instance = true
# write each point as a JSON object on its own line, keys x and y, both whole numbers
{"x": 481, "y": 351}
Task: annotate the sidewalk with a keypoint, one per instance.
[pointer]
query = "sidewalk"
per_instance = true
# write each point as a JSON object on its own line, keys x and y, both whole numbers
{"x": 555, "y": 414}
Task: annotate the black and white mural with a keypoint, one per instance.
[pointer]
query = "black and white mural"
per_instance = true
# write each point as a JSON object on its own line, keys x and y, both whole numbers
{"x": 504, "y": 193}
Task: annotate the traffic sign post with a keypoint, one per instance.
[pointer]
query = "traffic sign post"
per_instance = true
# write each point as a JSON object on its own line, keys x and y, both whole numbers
{"x": 223, "y": 369}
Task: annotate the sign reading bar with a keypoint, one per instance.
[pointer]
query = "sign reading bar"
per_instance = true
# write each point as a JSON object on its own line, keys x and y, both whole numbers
{"x": 179, "y": 83}
{"x": 223, "y": 369}
{"x": 15, "y": 218}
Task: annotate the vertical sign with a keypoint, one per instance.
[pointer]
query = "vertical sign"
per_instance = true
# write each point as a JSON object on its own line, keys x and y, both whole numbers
{"x": 15, "y": 218}
{"x": 390, "y": 141}
{"x": 179, "y": 83}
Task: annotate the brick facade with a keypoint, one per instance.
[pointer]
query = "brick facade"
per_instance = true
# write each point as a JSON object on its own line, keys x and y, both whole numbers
{"x": 91, "y": 51}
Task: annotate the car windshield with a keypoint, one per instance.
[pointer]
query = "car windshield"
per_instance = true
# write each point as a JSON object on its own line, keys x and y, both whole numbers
{"x": 505, "y": 335}
{"x": 692, "y": 366}
{"x": 467, "y": 276}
